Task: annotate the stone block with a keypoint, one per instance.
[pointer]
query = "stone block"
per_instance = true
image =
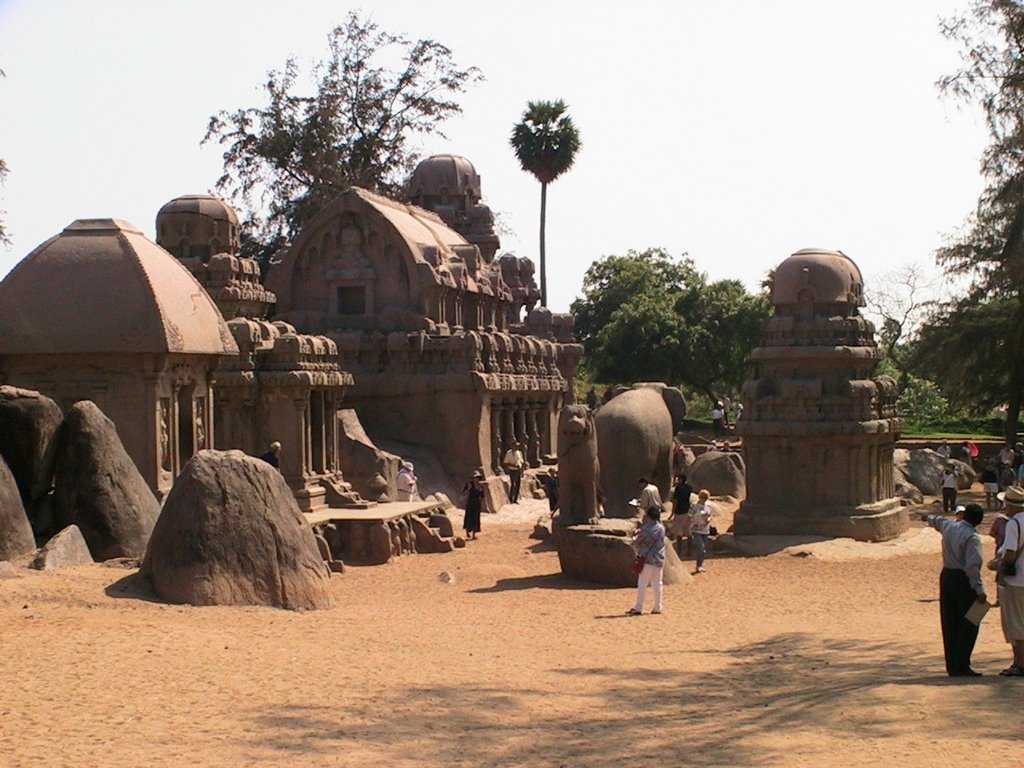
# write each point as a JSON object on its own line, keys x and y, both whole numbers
{"x": 65, "y": 550}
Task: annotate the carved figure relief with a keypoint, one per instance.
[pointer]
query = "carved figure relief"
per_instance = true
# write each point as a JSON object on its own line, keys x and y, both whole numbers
{"x": 164, "y": 433}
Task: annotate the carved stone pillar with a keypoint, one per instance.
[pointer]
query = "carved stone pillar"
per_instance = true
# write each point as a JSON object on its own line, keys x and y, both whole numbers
{"x": 508, "y": 428}
{"x": 520, "y": 417}
{"x": 533, "y": 436}
{"x": 496, "y": 436}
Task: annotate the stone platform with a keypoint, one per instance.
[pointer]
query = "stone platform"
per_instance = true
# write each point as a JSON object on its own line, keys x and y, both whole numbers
{"x": 880, "y": 521}
{"x": 602, "y": 554}
{"x": 375, "y": 535}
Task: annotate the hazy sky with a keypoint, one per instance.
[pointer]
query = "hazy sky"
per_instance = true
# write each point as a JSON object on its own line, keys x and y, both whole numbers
{"x": 737, "y": 131}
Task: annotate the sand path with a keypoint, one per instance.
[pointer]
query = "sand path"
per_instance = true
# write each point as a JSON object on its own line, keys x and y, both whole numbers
{"x": 770, "y": 661}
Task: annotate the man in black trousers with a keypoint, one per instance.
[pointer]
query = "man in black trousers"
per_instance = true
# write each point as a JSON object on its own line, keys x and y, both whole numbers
{"x": 960, "y": 586}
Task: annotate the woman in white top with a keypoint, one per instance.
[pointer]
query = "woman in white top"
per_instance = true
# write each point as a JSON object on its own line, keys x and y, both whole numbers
{"x": 700, "y": 526}
{"x": 406, "y": 482}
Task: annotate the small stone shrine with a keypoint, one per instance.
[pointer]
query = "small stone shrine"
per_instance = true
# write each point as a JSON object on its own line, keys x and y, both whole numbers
{"x": 100, "y": 312}
{"x": 818, "y": 424}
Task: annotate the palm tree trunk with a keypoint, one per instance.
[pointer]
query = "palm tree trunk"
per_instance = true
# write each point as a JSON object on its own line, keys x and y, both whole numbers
{"x": 543, "y": 260}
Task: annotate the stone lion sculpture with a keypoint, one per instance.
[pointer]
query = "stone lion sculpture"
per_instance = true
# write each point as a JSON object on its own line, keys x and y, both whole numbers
{"x": 578, "y": 468}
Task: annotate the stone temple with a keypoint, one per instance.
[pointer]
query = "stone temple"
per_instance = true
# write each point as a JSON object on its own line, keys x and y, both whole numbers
{"x": 818, "y": 425}
{"x": 405, "y": 312}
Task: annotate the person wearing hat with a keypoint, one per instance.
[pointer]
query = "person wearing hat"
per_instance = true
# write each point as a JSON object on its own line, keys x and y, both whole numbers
{"x": 650, "y": 496}
{"x": 474, "y": 491}
{"x": 272, "y": 456}
{"x": 513, "y": 464}
{"x": 406, "y": 482}
{"x": 960, "y": 586}
{"x": 649, "y": 544}
{"x": 1009, "y": 564}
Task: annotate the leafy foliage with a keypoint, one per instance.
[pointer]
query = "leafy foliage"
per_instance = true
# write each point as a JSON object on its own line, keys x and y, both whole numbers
{"x": 648, "y": 316}
{"x": 284, "y": 159}
{"x": 986, "y": 325}
{"x": 545, "y": 142}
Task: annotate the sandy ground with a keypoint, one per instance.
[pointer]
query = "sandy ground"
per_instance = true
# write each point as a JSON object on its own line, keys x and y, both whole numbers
{"x": 789, "y": 661}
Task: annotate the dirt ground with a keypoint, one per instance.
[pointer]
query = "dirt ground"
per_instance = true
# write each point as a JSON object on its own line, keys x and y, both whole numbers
{"x": 785, "y": 661}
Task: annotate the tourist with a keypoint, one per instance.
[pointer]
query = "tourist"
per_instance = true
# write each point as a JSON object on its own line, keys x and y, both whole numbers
{"x": 718, "y": 418}
{"x": 960, "y": 586}
{"x": 739, "y": 411}
{"x": 1010, "y": 581}
{"x": 1018, "y": 462}
{"x": 406, "y": 482}
{"x": 474, "y": 491}
{"x": 944, "y": 451}
{"x": 1005, "y": 457}
{"x": 513, "y": 464}
{"x": 998, "y": 529}
{"x": 549, "y": 481}
{"x": 948, "y": 490}
{"x": 1007, "y": 477}
{"x": 681, "y": 496}
{"x": 649, "y": 546}
{"x": 990, "y": 482}
{"x": 700, "y": 526}
{"x": 272, "y": 456}
{"x": 650, "y": 496}
{"x": 966, "y": 456}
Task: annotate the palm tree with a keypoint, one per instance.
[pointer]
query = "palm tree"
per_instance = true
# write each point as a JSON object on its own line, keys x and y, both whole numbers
{"x": 545, "y": 142}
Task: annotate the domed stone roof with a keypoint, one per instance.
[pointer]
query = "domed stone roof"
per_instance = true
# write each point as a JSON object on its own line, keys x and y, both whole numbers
{"x": 451, "y": 175}
{"x": 203, "y": 205}
{"x": 819, "y": 276}
{"x": 101, "y": 286}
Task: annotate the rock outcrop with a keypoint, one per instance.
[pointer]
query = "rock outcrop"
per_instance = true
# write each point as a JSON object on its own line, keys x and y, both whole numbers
{"x": 231, "y": 534}
{"x": 65, "y": 550}
{"x": 370, "y": 470}
{"x": 922, "y": 467}
{"x": 28, "y": 424}
{"x": 721, "y": 473}
{"x": 602, "y": 554}
{"x": 15, "y": 532}
{"x": 98, "y": 487}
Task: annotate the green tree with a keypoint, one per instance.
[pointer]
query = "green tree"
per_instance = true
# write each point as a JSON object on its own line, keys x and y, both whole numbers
{"x": 284, "y": 159}
{"x": 648, "y": 316}
{"x": 545, "y": 142}
{"x": 989, "y": 250}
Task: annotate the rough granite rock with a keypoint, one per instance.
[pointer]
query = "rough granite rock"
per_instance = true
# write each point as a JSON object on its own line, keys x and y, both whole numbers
{"x": 15, "y": 531}
{"x": 443, "y": 523}
{"x": 98, "y": 487}
{"x": 923, "y": 468}
{"x": 495, "y": 494}
{"x": 430, "y": 540}
{"x": 907, "y": 492}
{"x": 721, "y": 473}
{"x": 231, "y": 534}
{"x": 65, "y": 550}
{"x": 28, "y": 424}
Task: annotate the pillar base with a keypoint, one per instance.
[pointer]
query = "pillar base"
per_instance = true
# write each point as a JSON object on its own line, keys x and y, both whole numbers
{"x": 879, "y": 521}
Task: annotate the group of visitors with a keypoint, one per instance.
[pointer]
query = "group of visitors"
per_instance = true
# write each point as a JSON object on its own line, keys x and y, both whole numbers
{"x": 962, "y": 596}
{"x": 651, "y": 538}
{"x": 720, "y": 416}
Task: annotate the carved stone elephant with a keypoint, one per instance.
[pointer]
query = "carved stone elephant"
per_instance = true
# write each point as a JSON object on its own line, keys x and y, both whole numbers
{"x": 578, "y": 467}
{"x": 634, "y": 437}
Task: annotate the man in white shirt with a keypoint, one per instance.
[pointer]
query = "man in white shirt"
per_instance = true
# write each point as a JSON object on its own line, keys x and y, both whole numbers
{"x": 649, "y": 497}
{"x": 514, "y": 463}
{"x": 718, "y": 419}
{"x": 1011, "y": 579}
{"x": 949, "y": 490}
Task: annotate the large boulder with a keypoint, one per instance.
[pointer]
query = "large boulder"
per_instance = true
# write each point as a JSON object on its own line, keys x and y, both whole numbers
{"x": 923, "y": 467}
{"x": 98, "y": 487}
{"x": 65, "y": 550}
{"x": 231, "y": 534}
{"x": 602, "y": 553}
{"x": 371, "y": 471}
{"x": 15, "y": 532}
{"x": 721, "y": 473}
{"x": 28, "y": 424}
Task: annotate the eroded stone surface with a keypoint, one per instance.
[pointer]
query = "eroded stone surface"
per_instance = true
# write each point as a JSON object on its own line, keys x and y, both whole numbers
{"x": 65, "y": 550}
{"x": 15, "y": 531}
{"x": 99, "y": 489}
{"x": 721, "y": 473}
{"x": 231, "y": 534}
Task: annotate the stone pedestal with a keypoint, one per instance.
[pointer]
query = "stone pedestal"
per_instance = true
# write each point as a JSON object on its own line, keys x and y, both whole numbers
{"x": 602, "y": 554}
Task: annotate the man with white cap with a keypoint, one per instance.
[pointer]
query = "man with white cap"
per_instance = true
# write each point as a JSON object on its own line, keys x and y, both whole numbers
{"x": 405, "y": 483}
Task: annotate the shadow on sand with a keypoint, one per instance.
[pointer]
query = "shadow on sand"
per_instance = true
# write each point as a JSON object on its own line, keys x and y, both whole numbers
{"x": 618, "y": 715}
